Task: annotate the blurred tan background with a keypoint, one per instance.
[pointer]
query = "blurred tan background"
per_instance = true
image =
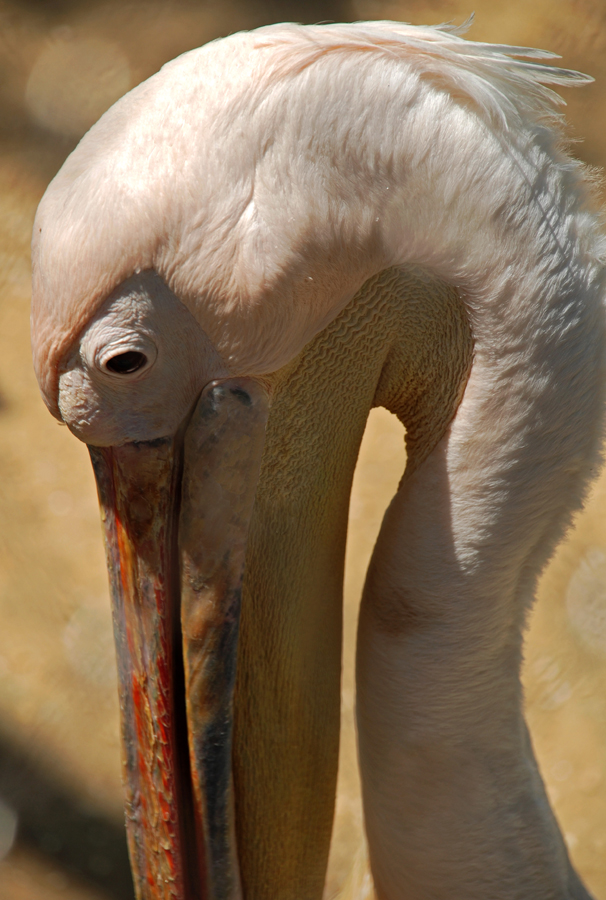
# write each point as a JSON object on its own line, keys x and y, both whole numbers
{"x": 61, "y": 836}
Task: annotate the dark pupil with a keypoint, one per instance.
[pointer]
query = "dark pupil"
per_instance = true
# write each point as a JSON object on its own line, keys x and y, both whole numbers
{"x": 125, "y": 363}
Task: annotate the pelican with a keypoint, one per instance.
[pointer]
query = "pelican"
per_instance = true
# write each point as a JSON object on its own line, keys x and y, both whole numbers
{"x": 272, "y": 235}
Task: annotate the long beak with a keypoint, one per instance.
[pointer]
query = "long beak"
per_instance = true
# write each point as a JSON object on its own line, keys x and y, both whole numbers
{"x": 176, "y": 513}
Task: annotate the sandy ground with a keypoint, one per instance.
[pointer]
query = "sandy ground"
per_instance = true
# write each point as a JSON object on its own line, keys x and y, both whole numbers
{"x": 60, "y": 794}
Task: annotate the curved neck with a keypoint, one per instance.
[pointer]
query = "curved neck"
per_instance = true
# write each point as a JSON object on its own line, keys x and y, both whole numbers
{"x": 449, "y": 774}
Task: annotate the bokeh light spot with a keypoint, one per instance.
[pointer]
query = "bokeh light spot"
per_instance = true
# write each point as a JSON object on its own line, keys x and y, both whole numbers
{"x": 89, "y": 645}
{"x": 586, "y": 600}
{"x": 8, "y": 828}
{"x": 74, "y": 81}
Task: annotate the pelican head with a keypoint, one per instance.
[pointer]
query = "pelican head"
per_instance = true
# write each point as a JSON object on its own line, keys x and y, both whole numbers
{"x": 246, "y": 253}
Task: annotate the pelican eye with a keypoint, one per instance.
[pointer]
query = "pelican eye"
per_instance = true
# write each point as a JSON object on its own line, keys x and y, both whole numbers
{"x": 126, "y": 363}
